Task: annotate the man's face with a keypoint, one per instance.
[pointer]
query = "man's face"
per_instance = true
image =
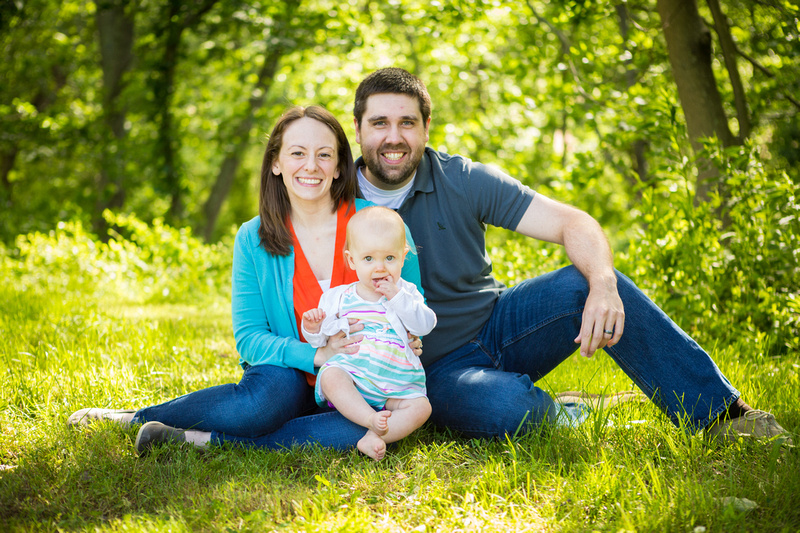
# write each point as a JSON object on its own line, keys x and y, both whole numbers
{"x": 392, "y": 136}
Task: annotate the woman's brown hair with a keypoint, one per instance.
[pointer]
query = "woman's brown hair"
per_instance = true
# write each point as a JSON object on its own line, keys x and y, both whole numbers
{"x": 273, "y": 201}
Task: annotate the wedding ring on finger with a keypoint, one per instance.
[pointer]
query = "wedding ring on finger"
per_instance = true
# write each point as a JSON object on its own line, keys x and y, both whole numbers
{"x": 608, "y": 332}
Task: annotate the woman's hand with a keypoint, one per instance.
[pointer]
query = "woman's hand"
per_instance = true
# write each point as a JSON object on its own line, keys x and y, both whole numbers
{"x": 339, "y": 343}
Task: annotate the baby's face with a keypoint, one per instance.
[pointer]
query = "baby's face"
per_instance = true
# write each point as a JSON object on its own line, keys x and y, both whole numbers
{"x": 376, "y": 257}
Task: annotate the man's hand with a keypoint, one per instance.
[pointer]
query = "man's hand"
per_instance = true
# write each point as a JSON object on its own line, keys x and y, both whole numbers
{"x": 588, "y": 249}
{"x": 312, "y": 320}
{"x": 603, "y": 319}
{"x": 415, "y": 343}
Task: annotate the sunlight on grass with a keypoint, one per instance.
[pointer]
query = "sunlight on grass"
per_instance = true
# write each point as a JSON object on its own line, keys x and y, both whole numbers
{"x": 626, "y": 468}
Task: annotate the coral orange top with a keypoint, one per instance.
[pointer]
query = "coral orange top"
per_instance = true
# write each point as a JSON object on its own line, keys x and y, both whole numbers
{"x": 307, "y": 291}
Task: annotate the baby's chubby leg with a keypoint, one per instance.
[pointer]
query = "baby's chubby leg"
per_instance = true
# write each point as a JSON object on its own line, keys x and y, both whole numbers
{"x": 338, "y": 388}
{"x": 407, "y": 416}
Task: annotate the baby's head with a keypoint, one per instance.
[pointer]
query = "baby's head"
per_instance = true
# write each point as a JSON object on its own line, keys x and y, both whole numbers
{"x": 376, "y": 244}
{"x": 376, "y": 226}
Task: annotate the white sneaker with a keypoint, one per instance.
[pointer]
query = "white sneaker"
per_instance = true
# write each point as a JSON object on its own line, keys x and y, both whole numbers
{"x": 85, "y": 416}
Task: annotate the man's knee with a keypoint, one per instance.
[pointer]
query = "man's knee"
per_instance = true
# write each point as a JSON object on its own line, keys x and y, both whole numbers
{"x": 568, "y": 281}
{"x": 525, "y": 419}
{"x": 566, "y": 284}
{"x": 497, "y": 414}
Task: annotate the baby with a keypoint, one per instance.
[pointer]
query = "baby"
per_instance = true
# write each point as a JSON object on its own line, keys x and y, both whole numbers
{"x": 385, "y": 374}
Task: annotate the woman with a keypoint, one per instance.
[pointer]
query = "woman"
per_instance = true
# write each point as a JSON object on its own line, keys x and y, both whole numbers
{"x": 283, "y": 260}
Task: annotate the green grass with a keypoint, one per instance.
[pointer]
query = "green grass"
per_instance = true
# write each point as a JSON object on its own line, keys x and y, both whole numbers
{"x": 626, "y": 469}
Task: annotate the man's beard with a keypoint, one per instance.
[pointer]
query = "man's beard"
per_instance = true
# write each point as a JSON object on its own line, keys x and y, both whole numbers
{"x": 392, "y": 176}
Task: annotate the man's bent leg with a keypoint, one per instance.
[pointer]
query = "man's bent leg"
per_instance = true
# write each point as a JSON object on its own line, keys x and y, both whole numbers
{"x": 667, "y": 364}
{"x": 534, "y": 323}
{"x": 470, "y": 395}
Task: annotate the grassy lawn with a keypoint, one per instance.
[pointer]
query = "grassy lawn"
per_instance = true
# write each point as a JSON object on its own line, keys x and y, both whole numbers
{"x": 625, "y": 469}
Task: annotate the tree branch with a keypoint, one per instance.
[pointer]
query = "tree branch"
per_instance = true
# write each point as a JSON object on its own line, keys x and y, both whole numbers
{"x": 565, "y": 49}
{"x": 768, "y": 74}
{"x": 729, "y": 54}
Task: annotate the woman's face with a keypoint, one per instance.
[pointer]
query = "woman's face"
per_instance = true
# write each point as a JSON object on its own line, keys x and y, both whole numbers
{"x": 308, "y": 161}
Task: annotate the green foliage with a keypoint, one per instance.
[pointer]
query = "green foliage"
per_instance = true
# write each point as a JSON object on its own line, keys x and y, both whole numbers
{"x": 722, "y": 283}
{"x": 557, "y": 94}
{"x": 141, "y": 263}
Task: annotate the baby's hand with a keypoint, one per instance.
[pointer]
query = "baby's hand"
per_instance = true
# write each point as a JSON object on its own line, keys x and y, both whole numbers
{"x": 312, "y": 320}
{"x": 387, "y": 287}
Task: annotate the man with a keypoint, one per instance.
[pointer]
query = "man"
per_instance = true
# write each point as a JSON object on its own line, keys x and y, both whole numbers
{"x": 492, "y": 343}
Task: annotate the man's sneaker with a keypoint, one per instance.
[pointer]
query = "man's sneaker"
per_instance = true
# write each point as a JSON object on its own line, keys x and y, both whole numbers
{"x": 753, "y": 424}
{"x": 84, "y": 417}
{"x": 153, "y": 433}
{"x": 600, "y": 401}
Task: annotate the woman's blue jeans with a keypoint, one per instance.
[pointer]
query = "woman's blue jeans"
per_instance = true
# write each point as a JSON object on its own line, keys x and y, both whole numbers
{"x": 485, "y": 388}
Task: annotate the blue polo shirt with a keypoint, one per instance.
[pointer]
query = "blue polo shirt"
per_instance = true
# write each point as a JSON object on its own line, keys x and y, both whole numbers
{"x": 447, "y": 210}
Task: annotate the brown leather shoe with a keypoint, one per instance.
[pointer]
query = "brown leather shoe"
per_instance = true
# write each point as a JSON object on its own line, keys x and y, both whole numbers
{"x": 754, "y": 424}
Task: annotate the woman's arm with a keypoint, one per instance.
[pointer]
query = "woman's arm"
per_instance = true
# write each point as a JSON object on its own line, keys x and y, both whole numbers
{"x": 262, "y": 310}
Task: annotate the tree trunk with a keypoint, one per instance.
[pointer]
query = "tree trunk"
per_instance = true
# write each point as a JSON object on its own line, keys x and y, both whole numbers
{"x": 7, "y": 159}
{"x": 179, "y": 16}
{"x": 241, "y": 139}
{"x": 115, "y": 25}
{"x": 639, "y": 146}
{"x": 689, "y": 47}
{"x": 162, "y": 92}
{"x": 729, "y": 52}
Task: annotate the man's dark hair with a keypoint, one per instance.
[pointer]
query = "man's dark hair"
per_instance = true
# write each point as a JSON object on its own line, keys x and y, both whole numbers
{"x": 392, "y": 81}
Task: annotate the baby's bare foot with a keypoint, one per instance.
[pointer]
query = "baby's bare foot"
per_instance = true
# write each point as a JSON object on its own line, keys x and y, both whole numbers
{"x": 379, "y": 422}
{"x": 372, "y": 445}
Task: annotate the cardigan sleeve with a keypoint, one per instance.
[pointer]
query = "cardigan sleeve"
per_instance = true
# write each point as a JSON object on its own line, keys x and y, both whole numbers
{"x": 261, "y": 306}
{"x": 410, "y": 270}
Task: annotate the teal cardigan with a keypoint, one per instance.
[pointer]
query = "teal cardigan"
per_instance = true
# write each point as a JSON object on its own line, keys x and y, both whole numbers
{"x": 262, "y": 301}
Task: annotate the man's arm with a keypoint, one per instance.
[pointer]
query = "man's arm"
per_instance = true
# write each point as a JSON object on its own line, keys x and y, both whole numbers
{"x": 588, "y": 249}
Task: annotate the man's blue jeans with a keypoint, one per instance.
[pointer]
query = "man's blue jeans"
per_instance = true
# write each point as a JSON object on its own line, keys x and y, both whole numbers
{"x": 485, "y": 388}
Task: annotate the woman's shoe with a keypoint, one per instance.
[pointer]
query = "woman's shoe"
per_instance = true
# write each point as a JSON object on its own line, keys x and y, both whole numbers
{"x": 153, "y": 433}
{"x": 85, "y": 416}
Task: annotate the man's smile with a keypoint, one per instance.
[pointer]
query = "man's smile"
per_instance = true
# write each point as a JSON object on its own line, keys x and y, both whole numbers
{"x": 393, "y": 156}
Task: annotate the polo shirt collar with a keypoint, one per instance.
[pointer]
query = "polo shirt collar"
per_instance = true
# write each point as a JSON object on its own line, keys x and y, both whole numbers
{"x": 423, "y": 182}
